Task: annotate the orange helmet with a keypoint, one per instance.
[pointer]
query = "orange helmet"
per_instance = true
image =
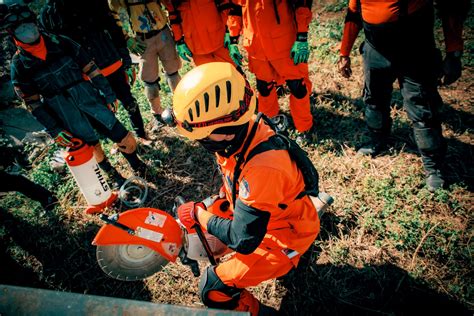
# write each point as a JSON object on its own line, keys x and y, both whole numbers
{"x": 212, "y": 96}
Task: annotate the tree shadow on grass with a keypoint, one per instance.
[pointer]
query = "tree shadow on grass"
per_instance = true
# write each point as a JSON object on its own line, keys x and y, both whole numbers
{"x": 64, "y": 259}
{"x": 372, "y": 290}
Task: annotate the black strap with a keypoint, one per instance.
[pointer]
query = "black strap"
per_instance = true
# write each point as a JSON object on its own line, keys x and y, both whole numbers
{"x": 275, "y": 8}
{"x": 278, "y": 142}
{"x": 241, "y": 155}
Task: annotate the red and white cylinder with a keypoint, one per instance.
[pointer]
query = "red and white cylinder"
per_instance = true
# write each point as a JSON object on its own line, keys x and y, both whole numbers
{"x": 89, "y": 178}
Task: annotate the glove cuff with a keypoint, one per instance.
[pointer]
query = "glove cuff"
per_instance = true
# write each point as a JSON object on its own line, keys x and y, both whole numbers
{"x": 234, "y": 39}
{"x": 302, "y": 36}
{"x": 455, "y": 54}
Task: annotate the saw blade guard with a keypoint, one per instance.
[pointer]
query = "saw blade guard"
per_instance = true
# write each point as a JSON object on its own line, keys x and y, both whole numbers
{"x": 153, "y": 228}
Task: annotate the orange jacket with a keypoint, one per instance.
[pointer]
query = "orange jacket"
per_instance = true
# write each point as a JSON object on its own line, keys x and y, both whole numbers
{"x": 380, "y": 12}
{"x": 201, "y": 22}
{"x": 270, "y": 26}
{"x": 269, "y": 182}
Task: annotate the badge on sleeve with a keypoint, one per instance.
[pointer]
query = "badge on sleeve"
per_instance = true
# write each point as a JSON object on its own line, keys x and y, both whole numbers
{"x": 244, "y": 189}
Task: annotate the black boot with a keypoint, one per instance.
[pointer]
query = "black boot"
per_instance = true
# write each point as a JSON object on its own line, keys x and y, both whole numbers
{"x": 115, "y": 178}
{"x": 139, "y": 167}
{"x": 158, "y": 123}
{"x": 136, "y": 119}
{"x": 376, "y": 144}
{"x": 432, "y": 147}
{"x": 379, "y": 125}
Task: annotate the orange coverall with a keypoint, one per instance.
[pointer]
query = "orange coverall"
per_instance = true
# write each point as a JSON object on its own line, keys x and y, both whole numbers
{"x": 269, "y": 29}
{"x": 203, "y": 25}
{"x": 292, "y": 226}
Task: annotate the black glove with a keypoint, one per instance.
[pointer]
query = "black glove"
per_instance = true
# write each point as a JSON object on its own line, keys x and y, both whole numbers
{"x": 452, "y": 67}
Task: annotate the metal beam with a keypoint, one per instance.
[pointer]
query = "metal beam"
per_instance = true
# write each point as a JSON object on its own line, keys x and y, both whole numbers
{"x": 15, "y": 300}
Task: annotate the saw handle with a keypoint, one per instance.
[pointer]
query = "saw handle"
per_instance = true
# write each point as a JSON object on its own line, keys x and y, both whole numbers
{"x": 113, "y": 220}
{"x": 179, "y": 201}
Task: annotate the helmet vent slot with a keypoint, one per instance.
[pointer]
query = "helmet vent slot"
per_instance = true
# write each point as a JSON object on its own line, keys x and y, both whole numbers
{"x": 206, "y": 102}
{"x": 218, "y": 96}
{"x": 228, "y": 87}
{"x": 191, "y": 118}
{"x": 198, "y": 110}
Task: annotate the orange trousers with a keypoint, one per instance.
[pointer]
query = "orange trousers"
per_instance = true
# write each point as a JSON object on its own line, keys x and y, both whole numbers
{"x": 241, "y": 271}
{"x": 278, "y": 71}
{"x": 220, "y": 55}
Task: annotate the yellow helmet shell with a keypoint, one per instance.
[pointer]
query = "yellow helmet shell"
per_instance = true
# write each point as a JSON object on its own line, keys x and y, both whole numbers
{"x": 211, "y": 96}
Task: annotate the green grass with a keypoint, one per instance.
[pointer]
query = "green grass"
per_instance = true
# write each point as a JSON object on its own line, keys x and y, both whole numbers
{"x": 387, "y": 242}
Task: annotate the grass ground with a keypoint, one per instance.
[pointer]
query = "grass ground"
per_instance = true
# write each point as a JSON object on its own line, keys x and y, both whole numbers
{"x": 387, "y": 246}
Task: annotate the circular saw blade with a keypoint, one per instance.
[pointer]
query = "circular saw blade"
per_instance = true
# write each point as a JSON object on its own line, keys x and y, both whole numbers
{"x": 129, "y": 262}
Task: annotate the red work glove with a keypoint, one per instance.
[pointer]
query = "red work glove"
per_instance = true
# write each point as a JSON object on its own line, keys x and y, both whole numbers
{"x": 113, "y": 106}
{"x": 187, "y": 214}
{"x": 64, "y": 138}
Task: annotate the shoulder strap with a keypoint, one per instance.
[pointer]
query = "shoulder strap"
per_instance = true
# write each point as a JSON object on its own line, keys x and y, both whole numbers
{"x": 278, "y": 142}
{"x": 240, "y": 157}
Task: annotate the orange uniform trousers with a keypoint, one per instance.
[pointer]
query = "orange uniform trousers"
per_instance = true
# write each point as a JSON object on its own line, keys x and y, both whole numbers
{"x": 278, "y": 71}
{"x": 219, "y": 55}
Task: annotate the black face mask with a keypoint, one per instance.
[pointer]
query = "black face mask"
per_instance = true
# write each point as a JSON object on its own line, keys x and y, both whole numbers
{"x": 226, "y": 148}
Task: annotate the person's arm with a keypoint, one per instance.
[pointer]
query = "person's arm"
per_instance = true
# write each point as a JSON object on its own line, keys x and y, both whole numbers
{"x": 244, "y": 233}
{"x": 175, "y": 19}
{"x": 223, "y": 7}
{"x": 89, "y": 68}
{"x": 352, "y": 27}
{"x": 28, "y": 92}
{"x": 303, "y": 15}
{"x": 453, "y": 17}
{"x": 256, "y": 199}
{"x": 234, "y": 20}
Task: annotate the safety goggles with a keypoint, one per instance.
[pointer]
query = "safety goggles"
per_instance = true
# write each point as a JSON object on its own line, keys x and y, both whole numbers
{"x": 16, "y": 18}
{"x": 231, "y": 117}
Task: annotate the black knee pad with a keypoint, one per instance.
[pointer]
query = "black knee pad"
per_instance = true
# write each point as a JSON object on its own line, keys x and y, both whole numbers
{"x": 152, "y": 89}
{"x": 211, "y": 282}
{"x": 264, "y": 87}
{"x": 117, "y": 133}
{"x": 428, "y": 139}
{"x": 297, "y": 88}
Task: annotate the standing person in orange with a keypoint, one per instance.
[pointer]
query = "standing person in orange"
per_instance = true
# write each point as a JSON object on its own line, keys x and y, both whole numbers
{"x": 199, "y": 29}
{"x": 276, "y": 39}
{"x": 399, "y": 44}
{"x": 270, "y": 226}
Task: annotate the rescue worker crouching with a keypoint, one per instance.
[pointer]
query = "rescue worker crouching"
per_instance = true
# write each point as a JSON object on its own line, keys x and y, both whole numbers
{"x": 272, "y": 226}
{"x": 399, "y": 44}
{"x": 47, "y": 73}
{"x": 152, "y": 40}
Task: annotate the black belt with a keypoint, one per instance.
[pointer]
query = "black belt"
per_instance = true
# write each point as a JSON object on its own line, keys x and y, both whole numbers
{"x": 150, "y": 34}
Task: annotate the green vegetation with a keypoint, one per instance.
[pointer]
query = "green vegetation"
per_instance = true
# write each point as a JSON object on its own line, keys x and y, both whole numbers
{"x": 385, "y": 245}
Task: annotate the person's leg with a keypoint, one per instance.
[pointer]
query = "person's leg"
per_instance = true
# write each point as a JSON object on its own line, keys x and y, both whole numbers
{"x": 149, "y": 74}
{"x": 32, "y": 190}
{"x": 203, "y": 59}
{"x": 297, "y": 81}
{"x": 224, "y": 286}
{"x": 126, "y": 144}
{"x": 118, "y": 82}
{"x": 169, "y": 58}
{"x": 267, "y": 96}
{"x": 378, "y": 87}
{"x": 422, "y": 102}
